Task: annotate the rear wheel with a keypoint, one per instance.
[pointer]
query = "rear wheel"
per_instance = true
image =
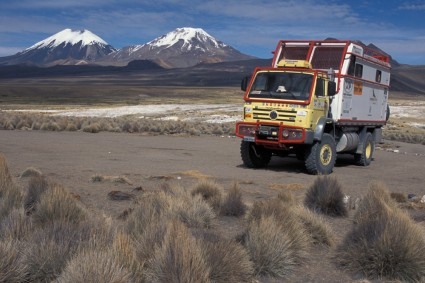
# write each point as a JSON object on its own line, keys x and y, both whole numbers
{"x": 320, "y": 158}
{"x": 254, "y": 156}
{"x": 365, "y": 157}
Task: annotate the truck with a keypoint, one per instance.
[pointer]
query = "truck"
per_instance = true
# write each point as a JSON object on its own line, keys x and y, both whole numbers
{"x": 320, "y": 98}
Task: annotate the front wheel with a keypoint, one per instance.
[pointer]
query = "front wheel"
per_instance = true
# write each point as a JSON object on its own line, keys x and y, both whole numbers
{"x": 320, "y": 158}
{"x": 365, "y": 157}
{"x": 254, "y": 156}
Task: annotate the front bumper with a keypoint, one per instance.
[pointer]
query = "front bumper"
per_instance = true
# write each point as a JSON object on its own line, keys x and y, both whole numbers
{"x": 273, "y": 134}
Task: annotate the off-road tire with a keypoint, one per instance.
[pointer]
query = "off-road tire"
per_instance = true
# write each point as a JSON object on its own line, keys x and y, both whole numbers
{"x": 365, "y": 157}
{"x": 254, "y": 156}
{"x": 320, "y": 157}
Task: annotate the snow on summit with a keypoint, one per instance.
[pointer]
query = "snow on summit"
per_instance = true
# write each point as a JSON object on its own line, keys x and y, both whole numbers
{"x": 188, "y": 35}
{"x": 69, "y": 36}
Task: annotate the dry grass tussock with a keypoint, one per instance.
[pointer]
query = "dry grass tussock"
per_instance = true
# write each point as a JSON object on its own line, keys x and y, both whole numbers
{"x": 210, "y": 191}
{"x": 57, "y": 204}
{"x": 314, "y": 225}
{"x": 194, "y": 174}
{"x": 18, "y": 121}
{"x": 95, "y": 266}
{"x": 233, "y": 204}
{"x": 36, "y": 186}
{"x": 16, "y": 225}
{"x": 11, "y": 268}
{"x": 228, "y": 260}
{"x": 10, "y": 194}
{"x": 326, "y": 196}
{"x": 179, "y": 258}
{"x": 275, "y": 246}
{"x": 385, "y": 242}
{"x": 30, "y": 172}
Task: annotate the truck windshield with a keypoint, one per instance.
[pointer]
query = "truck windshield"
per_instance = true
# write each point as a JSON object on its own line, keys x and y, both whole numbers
{"x": 283, "y": 85}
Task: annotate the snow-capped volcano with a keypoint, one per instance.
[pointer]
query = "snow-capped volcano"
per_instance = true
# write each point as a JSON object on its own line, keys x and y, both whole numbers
{"x": 182, "y": 47}
{"x": 69, "y": 36}
{"x": 65, "y": 47}
{"x": 192, "y": 39}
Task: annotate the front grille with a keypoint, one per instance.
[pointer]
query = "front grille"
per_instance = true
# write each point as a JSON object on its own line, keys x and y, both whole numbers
{"x": 282, "y": 115}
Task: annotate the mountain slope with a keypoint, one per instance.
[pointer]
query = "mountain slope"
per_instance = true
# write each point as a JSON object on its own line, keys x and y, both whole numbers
{"x": 67, "y": 47}
{"x": 183, "y": 47}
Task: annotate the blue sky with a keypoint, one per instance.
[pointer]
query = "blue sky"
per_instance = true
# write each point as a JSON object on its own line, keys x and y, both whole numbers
{"x": 251, "y": 26}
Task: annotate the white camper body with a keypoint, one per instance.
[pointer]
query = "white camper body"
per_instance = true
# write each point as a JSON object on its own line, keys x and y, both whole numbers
{"x": 362, "y": 76}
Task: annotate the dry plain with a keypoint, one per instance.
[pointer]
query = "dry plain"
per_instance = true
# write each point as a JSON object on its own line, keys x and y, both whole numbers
{"x": 149, "y": 161}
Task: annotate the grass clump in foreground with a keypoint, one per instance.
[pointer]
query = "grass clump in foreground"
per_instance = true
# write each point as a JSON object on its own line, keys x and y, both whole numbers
{"x": 326, "y": 196}
{"x": 385, "y": 242}
{"x": 233, "y": 204}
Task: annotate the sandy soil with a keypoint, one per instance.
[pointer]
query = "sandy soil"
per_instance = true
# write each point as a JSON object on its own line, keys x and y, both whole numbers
{"x": 72, "y": 158}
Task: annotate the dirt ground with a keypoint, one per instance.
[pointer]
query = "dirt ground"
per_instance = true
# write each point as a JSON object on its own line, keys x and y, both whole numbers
{"x": 72, "y": 158}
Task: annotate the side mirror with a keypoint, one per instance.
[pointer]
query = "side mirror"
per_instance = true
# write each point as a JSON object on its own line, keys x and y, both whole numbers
{"x": 331, "y": 88}
{"x": 244, "y": 83}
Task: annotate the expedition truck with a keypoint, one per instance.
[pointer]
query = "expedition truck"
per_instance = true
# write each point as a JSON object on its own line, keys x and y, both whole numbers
{"x": 317, "y": 100}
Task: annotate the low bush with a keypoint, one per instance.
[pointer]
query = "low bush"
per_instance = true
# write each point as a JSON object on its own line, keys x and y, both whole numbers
{"x": 210, "y": 192}
{"x": 192, "y": 210}
{"x": 56, "y": 204}
{"x": 233, "y": 204}
{"x": 30, "y": 171}
{"x": 318, "y": 230}
{"x": 377, "y": 200}
{"x": 11, "y": 267}
{"x": 47, "y": 251}
{"x": 16, "y": 225}
{"x": 95, "y": 266}
{"x": 326, "y": 196}
{"x": 228, "y": 261}
{"x": 179, "y": 258}
{"x": 389, "y": 245}
{"x": 37, "y": 185}
{"x": 275, "y": 247}
{"x": 10, "y": 194}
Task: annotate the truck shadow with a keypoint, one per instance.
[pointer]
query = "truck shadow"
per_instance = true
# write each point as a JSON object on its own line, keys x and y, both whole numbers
{"x": 293, "y": 165}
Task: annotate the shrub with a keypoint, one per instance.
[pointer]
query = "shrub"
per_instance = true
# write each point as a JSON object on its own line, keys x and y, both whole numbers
{"x": 36, "y": 186}
{"x": 228, "y": 261}
{"x": 46, "y": 253}
{"x": 318, "y": 230}
{"x": 326, "y": 196}
{"x": 56, "y": 204}
{"x": 179, "y": 259}
{"x": 91, "y": 128}
{"x": 5, "y": 178}
{"x": 16, "y": 225}
{"x": 376, "y": 201}
{"x": 30, "y": 171}
{"x": 275, "y": 247}
{"x": 152, "y": 208}
{"x": 125, "y": 252}
{"x": 95, "y": 266}
{"x": 388, "y": 245}
{"x": 10, "y": 195}
{"x": 272, "y": 207}
{"x": 233, "y": 204}
{"x": 287, "y": 197}
{"x": 11, "y": 268}
{"x": 192, "y": 210}
{"x": 210, "y": 192}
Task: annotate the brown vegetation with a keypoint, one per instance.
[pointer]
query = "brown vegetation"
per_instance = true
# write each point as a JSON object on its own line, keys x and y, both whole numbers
{"x": 233, "y": 204}
{"x": 17, "y": 121}
{"x": 166, "y": 236}
{"x": 326, "y": 196}
{"x": 385, "y": 242}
